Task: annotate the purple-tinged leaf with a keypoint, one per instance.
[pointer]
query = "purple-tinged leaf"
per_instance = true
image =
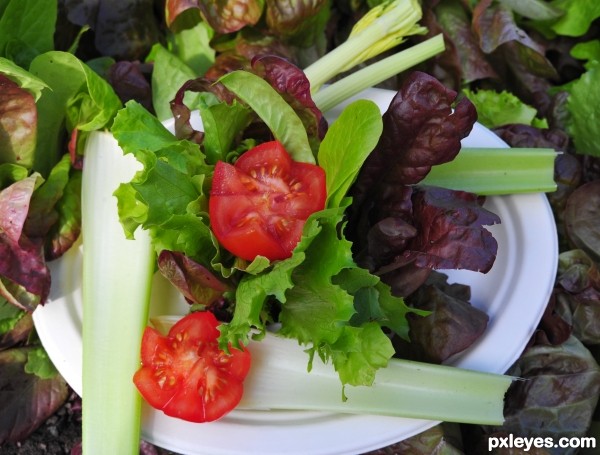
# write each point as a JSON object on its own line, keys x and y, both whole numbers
{"x": 582, "y": 219}
{"x": 451, "y": 327}
{"x": 18, "y": 123}
{"x": 227, "y": 16}
{"x": 196, "y": 283}
{"x": 451, "y": 231}
{"x": 173, "y": 8}
{"x": 24, "y": 276}
{"x": 558, "y": 395}
{"x": 26, "y": 399}
{"x": 130, "y": 80}
{"x": 291, "y": 82}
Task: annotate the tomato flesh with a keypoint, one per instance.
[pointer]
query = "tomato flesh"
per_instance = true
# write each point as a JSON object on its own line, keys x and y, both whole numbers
{"x": 186, "y": 375}
{"x": 259, "y": 205}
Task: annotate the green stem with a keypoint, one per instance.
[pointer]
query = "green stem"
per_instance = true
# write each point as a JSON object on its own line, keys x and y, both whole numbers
{"x": 330, "y": 96}
{"x": 495, "y": 171}
{"x": 382, "y": 28}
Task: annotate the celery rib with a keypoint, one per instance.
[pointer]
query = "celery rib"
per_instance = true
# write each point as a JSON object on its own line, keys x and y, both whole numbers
{"x": 278, "y": 380}
{"x": 330, "y": 96}
{"x": 383, "y": 27}
{"x": 497, "y": 171}
{"x": 117, "y": 275}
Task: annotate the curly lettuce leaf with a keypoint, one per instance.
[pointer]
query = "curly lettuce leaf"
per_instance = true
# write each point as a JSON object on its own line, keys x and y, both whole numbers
{"x": 55, "y": 209}
{"x": 27, "y": 399}
{"x": 125, "y": 30}
{"x": 575, "y": 17}
{"x": 22, "y": 78}
{"x": 167, "y": 196}
{"x": 495, "y": 109}
{"x": 226, "y": 16}
{"x": 24, "y": 275}
{"x": 301, "y": 23}
{"x": 558, "y": 394}
{"x": 399, "y": 232}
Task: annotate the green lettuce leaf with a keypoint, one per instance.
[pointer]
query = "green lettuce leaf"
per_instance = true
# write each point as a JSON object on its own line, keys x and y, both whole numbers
{"x": 82, "y": 101}
{"x": 583, "y": 106}
{"x": 496, "y": 109}
{"x": 348, "y": 142}
{"x": 168, "y": 75}
{"x": 27, "y": 29}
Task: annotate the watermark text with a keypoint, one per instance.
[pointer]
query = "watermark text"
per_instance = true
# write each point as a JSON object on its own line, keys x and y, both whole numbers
{"x": 527, "y": 443}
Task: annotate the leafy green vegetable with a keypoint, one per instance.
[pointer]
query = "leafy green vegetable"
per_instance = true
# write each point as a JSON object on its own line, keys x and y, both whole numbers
{"x": 501, "y": 108}
{"x": 559, "y": 393}
{"x": 168, "y": 76}
{"x": 583, "y": 107}
{"x": 18, "y": 117}
{"x": 27, "y": 29}
{"x": 39, "y": 363}
{"x": 577, "y": 295}
{"x": 577, "y": 17}
{"x": 27, "y": 400}
{"x": 24, "y": 275}
{"x": 83, "y": 101}
{"x": 273, "y": 110}
{"x": 22, "y": 78}
{"x": 342, "y": 154}
{"x": 190, "y": 41}
{"x": 9, "y": 316}
{"x": 582, "y": 214}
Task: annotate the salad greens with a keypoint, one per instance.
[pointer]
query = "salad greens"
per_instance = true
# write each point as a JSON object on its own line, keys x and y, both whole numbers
{"x": 524, "y": 48}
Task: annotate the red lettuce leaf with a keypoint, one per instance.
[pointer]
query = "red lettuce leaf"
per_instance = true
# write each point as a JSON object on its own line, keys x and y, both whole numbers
{"x": 196, "y": 283}
{"x": 125, "y": 30}
{"x": 451, "y": 234}
{"x": 452, "y": 325}
{"x": 26, "y": 399}
{"x": 422, "y": 127}
{"x": 18, "y": 123}
{"x": 227, "y": 16}
{"x": 289, "y": 81}
{"x": 399, "y": 231}
{"x": 24, "y": 275}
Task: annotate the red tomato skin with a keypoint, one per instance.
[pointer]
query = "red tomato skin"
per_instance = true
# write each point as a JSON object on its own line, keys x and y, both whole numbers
{"x": 186, "y": 375}
{"x": 259, "y": 205}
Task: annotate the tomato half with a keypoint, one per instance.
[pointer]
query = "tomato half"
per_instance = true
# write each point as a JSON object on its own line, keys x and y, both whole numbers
{"x": 260, "y": 205}
{"x": 186, "y": 375}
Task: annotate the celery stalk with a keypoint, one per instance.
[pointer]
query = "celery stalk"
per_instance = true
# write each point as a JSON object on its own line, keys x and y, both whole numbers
{"x": 383, "y": 27}
{"x": 330, "y": 96}
{"x": 279, "y": 380}
{"x": 117, "y": 276}
{"x": 496, "y": 171}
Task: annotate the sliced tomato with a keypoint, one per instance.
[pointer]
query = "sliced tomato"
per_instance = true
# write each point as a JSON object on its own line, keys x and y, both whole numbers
{"x": 259, "y": 205}
{"x": 186, "y": 375}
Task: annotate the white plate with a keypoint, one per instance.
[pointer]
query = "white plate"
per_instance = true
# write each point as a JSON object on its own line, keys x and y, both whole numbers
{"x": 514, "y": 294}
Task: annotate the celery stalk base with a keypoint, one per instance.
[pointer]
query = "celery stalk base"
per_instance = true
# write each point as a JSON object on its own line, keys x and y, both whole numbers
{"x": 116, "y": 290}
